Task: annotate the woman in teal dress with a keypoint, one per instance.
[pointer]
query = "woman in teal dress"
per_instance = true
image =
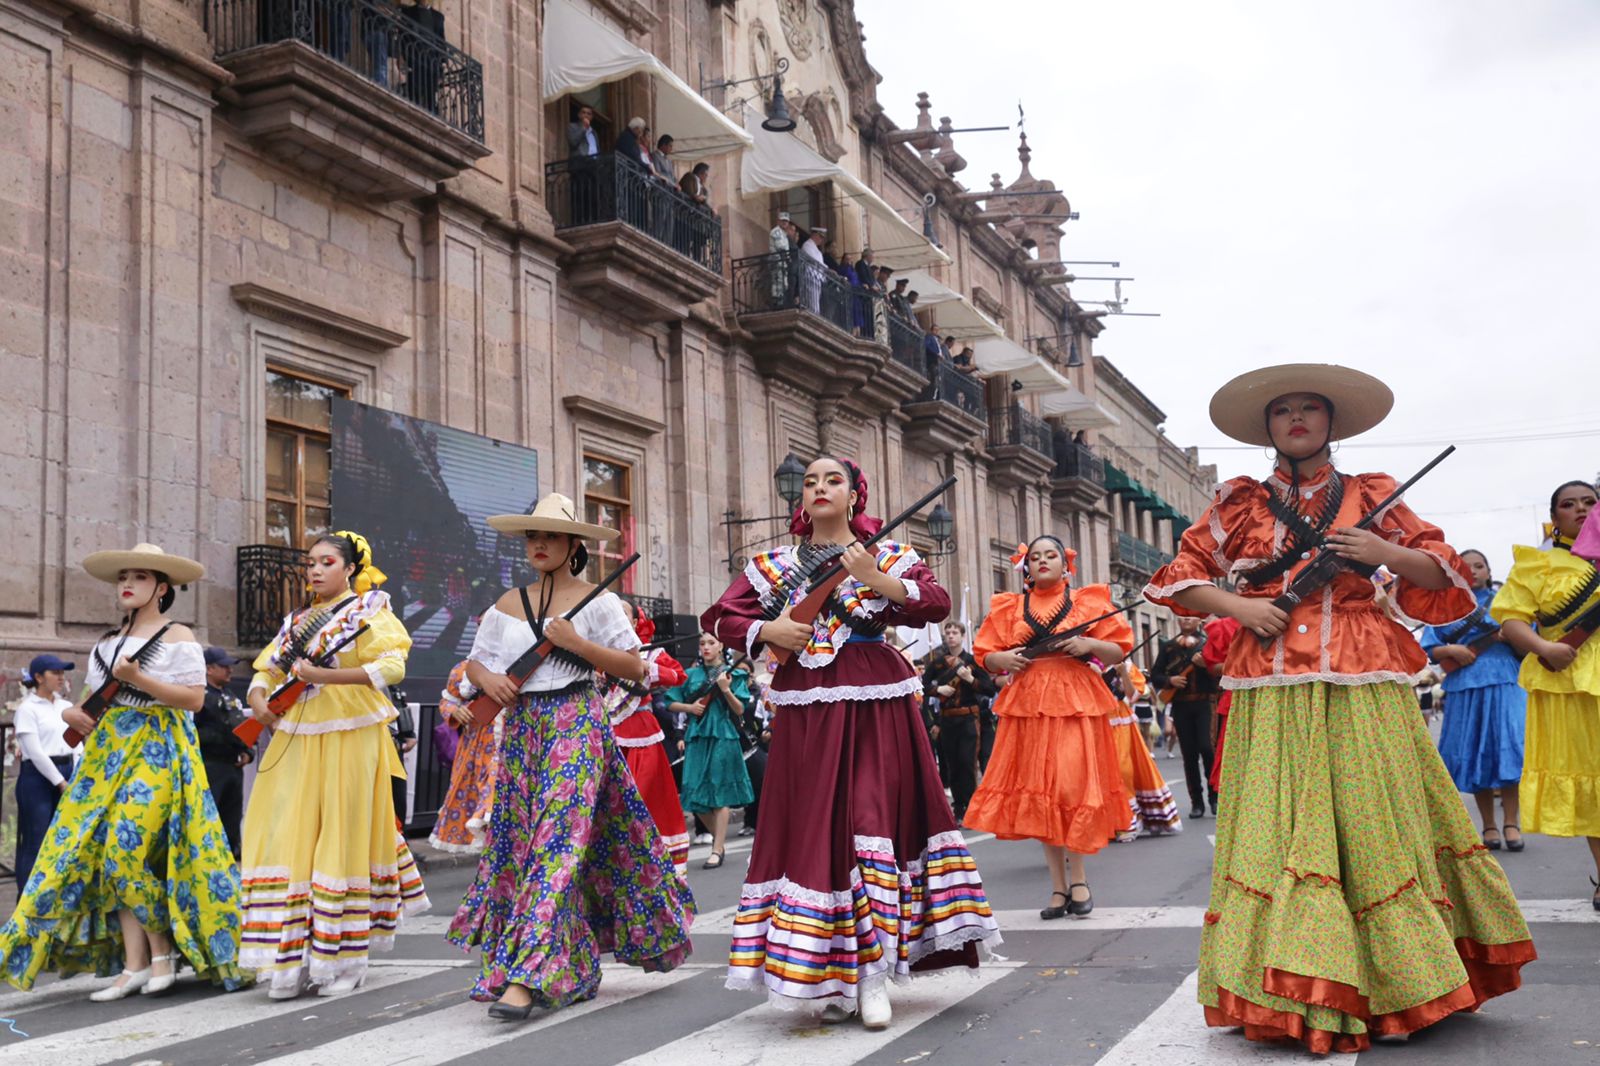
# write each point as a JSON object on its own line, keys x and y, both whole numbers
{"x": 135, "y": 867}
{"x": 714, "y": 776}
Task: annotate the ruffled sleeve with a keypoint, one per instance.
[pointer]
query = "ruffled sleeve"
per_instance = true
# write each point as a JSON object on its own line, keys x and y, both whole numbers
{"x": 383, "y": 648}
{"x": 182, "y": 663}
{"x": 1095, "y": 600}
{"x": 736, "y": 618}
{"x": 995, "y": 632}
{"x": 1520, "y": 596}
{"x": 1400, "y": 525}
{"x": 926, "y": 599}
{"x": 1207, "y": 549}
{"x": 491, "y": 645}
{"x": 665, "y": 671}
{"x": 611, "y": 626}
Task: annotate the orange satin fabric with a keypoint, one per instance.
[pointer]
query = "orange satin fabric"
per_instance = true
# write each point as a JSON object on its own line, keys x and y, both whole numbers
{"x": 1054, "y": 685}
{"x": 1341, "y": 634}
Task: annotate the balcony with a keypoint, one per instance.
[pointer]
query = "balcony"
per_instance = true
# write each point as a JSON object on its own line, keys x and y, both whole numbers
{"x": 271, "y": 583}
{"x": 1135, "y": 559}
{"x": 351, "y": 92}
{"x": 949, "y": 412}
{"x": 1019, "y": 443}
{"x": 640, "y": 245}
{"x": 1078, "y": 482}
{"x": 809, "y": 328}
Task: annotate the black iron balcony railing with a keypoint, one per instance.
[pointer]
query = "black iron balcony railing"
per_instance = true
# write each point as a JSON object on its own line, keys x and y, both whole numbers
{"x": 954, "y": 387}
{"x": 1078, "y": 460}
{"x": 783, "y": 281}
{"x": 586, "y": 190}
{"x": 1135, "y": 553}
{"x": 370, "y": 37}
{"x": 272, "y": 582}
{"x": 906, "y": 345}
{"x": 1017, "y": 425}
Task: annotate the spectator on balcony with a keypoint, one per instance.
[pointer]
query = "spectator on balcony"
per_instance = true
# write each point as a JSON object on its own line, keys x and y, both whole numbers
{"x": 696, "y": 186}
{"x": 860, "y": 314}
{"x": 932, "y": 349}
{"x": 897, "y": 299}
{"x": 781, "y": 245}
{"x": 867, "y": 271}
{"x": 423, "y": 57}
{"x": 581, "y": 138}
{"x": 631, "y": 143}
{"x": 963, "y": 360}
{"x": 661, "y": 160}
{"x": 812, "y": 267}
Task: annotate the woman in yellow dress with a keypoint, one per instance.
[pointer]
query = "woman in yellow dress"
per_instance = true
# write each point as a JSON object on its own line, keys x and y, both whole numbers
{"x": 138, "y": 806}
{"x": 327, "y": 874}
{"x": 1560, "y": 789}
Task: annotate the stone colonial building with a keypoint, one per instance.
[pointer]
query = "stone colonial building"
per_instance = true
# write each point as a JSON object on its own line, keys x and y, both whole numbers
{"x": 222, "y": 215}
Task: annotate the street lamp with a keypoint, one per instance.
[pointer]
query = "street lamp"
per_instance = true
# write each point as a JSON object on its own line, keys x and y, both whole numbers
{"x": 790, "y": 478}
{"x": 778, "y": 119}
{"x": 941, "y": 527}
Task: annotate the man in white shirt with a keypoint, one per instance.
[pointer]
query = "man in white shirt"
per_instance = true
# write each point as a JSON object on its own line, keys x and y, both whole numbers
{"x": 46, "y": 756}
{"x": 780, "y": 244}
{"x": 812, "y": 268}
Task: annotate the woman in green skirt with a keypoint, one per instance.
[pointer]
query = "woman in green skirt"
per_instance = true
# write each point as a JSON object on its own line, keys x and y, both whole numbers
{"x": 714, "y": 697}
{"x": 1351, "y": 896}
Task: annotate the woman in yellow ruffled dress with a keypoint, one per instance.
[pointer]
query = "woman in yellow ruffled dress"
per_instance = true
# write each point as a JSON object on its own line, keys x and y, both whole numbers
{"x": 327, "y": 875}
{"x": 1556, "y": 589}
{"x": 135, "y": 865}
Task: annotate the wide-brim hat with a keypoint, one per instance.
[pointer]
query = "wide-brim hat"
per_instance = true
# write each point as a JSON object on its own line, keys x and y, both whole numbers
{"x": 107, "y": 565}
{"x": 552, "y": 514}
{"x": 1360, "y": 401}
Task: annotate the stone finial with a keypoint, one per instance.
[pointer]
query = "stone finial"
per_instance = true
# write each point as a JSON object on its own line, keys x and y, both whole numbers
{"x": 948, "y": 158}
{"x": 1024, "y": 154}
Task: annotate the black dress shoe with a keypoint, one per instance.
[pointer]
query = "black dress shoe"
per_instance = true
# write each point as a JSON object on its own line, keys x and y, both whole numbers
{"x": 1197, "y": 811}
{"x": 506, "y": 1012}
{"x": 1079, "y": 908}
{"x": 1052, "y": 912}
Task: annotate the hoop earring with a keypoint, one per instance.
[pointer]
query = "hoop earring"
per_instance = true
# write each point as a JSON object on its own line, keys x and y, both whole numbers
{"x": 1270, "y": 452}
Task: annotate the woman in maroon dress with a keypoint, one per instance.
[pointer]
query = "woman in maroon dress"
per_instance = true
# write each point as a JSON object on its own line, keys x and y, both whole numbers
{"x": 858, "y": 873}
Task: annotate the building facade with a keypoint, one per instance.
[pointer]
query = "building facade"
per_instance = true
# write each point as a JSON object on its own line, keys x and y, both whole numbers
{"x": 222, "y": 215}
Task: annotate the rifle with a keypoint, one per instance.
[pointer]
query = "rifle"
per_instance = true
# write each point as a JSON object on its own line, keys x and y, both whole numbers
{"x": 101, "y": 698}
{"x": 1581, "y": 630}
{"x": 1166, "y": 694}
{"x": 823, "y": 584}
{"x": 483, "y": 706}
{"x": 288, "y": 694}
{"x": 1052, "y": 642}
{"x": 1327, "y": 562}
{"x": 710, "y": 694}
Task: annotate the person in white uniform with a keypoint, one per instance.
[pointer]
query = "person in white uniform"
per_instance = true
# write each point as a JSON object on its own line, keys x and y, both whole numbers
{"x": 46, "y": 756}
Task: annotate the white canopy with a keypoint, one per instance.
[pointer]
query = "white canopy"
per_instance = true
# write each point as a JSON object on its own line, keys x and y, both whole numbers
{"x": 581, "y": 52}
{"x": 1076, "y": 409}
{"x": 953, "y": 314}
{"x": 997, "y": 355}
{"x": 779, "y": 161}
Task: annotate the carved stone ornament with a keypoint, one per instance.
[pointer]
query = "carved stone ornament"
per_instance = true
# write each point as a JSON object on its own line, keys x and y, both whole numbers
{"x": 795, "y": 17}
{"x": 762, "y": 59}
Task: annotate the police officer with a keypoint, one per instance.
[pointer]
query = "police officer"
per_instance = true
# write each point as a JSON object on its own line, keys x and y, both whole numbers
{"x": 224, "y": 753}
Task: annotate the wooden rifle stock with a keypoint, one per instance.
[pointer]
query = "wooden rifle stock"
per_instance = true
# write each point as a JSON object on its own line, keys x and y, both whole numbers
{"x": 1327, "y": 563}
{"x": 1052, "y": 642}
{"x": 288, "y": 694}
{"x": 94, "y": 707}
{"x": 1450, "y": 666}
{"x": 483, "y": 706}
{"x": 822, "y": 586}
{"x": 1574, "y": 638}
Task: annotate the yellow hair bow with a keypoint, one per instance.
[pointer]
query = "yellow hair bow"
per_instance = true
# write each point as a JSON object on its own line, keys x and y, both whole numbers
{"x": 369, "y": 576}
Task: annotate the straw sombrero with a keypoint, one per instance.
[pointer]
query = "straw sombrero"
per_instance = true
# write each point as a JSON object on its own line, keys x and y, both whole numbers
{"x": 107, "y": 565}
{"x": 553, "y": 514}
{"x": 1360, "y": 401}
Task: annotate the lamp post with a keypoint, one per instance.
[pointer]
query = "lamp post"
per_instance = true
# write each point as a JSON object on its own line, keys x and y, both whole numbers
{"x": 778, "y": 119}
{"x": 790, "y": 478}
{"x": 941, "y": 527}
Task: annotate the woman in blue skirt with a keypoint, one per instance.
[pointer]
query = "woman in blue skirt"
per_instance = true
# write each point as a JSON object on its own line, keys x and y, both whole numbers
{"x": 1485, "y": 709}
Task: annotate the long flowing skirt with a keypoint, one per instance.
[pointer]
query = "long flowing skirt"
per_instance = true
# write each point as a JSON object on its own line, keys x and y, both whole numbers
{"x": 327, "y": 875}
{"x": 1151, "y": 808}
{"x": 1350, "y": 893}
{"x": 639, "y": 736}
{"x": 714, "y": 774}
{"x": 1482, "y": 736}
{"x": 1561, "y": 773}
{"x": 858, "y": 873}
{"x": 137, "y": 831}
{"x": 573, "y": 866}
{"x": 464, "y": 817}
{"x": 1055, "y": 780}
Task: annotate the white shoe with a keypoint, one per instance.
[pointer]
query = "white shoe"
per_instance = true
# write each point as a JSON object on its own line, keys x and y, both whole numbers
{"x": 161, "y": 982}
{"x": 341, "y": 985}
{"x": 302, "y": 981}
{"x": 875, "y": 1012}
{"x": 703, "y": 838}
{"x": 128, "y": 982}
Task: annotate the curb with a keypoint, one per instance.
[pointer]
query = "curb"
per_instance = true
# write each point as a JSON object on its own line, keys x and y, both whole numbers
{"x": 432, "y": 859}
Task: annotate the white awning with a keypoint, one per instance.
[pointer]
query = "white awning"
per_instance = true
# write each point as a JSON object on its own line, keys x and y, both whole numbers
{"x": 1077, "y": 410}
{"x": 581, "y": 52}
{"x": 953, "y": 314}
{"x": 779, "y": 161}
{"x": 997, "y": 355}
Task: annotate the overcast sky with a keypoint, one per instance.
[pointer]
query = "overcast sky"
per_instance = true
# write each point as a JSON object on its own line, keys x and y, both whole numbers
{"x": 1407, "y": 188}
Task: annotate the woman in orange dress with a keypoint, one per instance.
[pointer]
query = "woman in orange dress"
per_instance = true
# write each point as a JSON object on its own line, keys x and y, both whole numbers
{"x": 1151, "y": 809}
{"x": 1053, "y": 776}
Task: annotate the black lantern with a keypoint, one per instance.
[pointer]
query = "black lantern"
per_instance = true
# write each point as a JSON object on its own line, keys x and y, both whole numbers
{"x": 778, "y": 119}
{"x": 941, "y": 524}
{"x": 791, "y": 479}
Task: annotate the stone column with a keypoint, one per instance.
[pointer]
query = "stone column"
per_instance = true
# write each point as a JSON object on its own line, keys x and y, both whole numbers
{"x": 689, "y": 464}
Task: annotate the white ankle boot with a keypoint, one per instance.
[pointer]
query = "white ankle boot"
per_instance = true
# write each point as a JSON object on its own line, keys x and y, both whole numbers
{"x": 128, "y": 982}
{"x": 302, "y": 981}
{"x": 161, "y": 982}
{"x": 341, "y": 985}
{"x": 875, "y": 1012}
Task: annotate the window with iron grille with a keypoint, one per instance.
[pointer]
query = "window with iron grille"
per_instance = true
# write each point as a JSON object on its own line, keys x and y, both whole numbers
{"x": 299, "y": 465}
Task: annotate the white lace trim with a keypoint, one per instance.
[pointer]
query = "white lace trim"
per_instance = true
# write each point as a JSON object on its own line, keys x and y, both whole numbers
{"x": 1152, "y": 591}
{"x": 793, "y": 697}
{"x": 1280, "y": 679}
{"x": 752, "y": 637}
{"x": 874, "y": 845}
{"x": 287, "y": 724}
{"x": 1326, "y": 635}
{"x": 783, "y": 887}
{"x": 474, "y": 848}
{"x": 1114, "y": 722}
{"x": 641, "y": 742}
{"x": 913, "y": 590}
{"x": 757, "y": 579}
{"x": 1455, "y": 579}
{"x": 986, "y": 932}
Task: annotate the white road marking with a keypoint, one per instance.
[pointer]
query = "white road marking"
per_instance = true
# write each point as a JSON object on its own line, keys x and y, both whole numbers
{"x": 1176, "y": 1034}
{"x": 763, "y": 1036}
{"x": 448, "y": 1034}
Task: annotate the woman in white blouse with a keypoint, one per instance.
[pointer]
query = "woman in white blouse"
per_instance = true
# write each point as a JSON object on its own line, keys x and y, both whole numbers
{"x": 572, "y": 865}
{"x": 46, "y": 755}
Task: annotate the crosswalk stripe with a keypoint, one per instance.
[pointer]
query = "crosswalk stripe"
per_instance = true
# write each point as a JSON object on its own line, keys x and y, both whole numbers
{"x": 1175, "y": 1034}
{"x": 464, "y": 1029}
{"x": 763, "y": 1036}
{"x": 151, "y": 1030}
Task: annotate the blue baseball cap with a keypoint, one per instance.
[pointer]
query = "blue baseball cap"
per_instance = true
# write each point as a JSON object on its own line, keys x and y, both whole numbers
{"x": 42, "y": 663}
{"x": 216, "y": 656}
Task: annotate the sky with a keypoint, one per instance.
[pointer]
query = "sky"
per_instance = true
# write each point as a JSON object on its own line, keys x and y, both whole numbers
{"x": 1412, "y": 189}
